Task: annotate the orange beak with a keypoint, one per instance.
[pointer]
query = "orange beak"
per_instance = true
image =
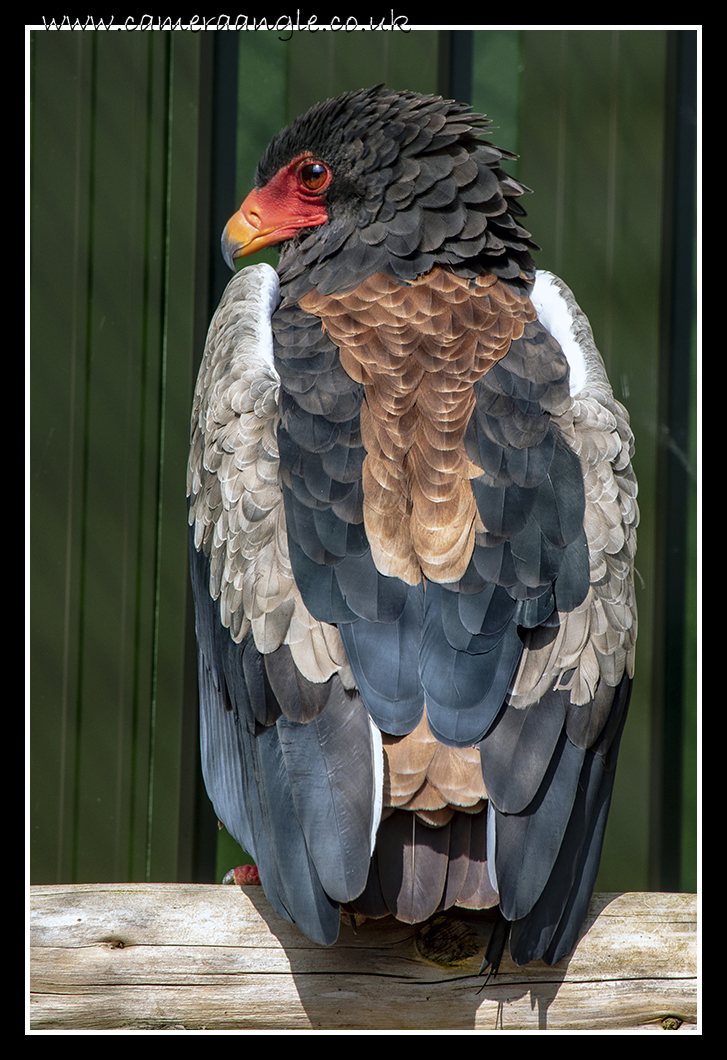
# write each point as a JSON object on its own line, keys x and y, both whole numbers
{"x": 261, "y": 221}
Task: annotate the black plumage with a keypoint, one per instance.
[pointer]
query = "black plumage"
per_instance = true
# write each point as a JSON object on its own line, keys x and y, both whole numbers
{"x": 412, "y": 524}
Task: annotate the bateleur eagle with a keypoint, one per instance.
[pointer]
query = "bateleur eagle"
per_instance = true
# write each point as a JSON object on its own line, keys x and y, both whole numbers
{"x": 412, "y": 516}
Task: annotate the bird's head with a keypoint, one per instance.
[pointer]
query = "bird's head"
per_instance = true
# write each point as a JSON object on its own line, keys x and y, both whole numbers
{"x": 383, "y": 181}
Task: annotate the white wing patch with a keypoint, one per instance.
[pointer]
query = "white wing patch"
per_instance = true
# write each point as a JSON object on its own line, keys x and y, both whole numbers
{"x": 555, "y": 313}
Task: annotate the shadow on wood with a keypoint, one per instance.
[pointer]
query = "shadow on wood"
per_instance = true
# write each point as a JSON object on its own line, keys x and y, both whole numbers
{"x": 162, "y": 956}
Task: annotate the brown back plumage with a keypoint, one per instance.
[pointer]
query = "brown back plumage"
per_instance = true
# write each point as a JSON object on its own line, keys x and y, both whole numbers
{"x": 418, "y": 350}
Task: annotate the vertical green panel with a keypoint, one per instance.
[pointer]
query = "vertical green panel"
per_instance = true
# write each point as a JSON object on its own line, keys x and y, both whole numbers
{"x": 261, "y": 100}
{"x": 496, "y": 85}
{"x": 60, "y": 179}
{"x": 150, "y": 332}
{"x": 117, "y": 502}
{"x": 691, "y": 751}
{"x": 114, "y": 162}
{"x": 184, "y": 299}
{"x": 323, "y": 65}
{"x": 411, "y": 61}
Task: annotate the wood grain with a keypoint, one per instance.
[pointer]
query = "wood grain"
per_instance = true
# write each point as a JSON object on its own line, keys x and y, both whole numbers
{"x": 160, "y": 956}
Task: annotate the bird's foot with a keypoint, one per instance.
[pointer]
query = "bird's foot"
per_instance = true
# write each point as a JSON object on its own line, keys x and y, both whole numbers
{"x": 243, "y": 875}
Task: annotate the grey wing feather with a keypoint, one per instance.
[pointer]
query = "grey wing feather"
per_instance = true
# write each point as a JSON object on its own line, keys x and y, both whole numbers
{"x": 291, "y": 761}
{"x": 596, "y": 640}
{"x": 567, "y": 704}
{"x": 236, "y": 506}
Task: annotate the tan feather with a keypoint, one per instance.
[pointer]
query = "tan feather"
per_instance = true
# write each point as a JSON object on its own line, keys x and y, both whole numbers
{"x": 424, "y": 776}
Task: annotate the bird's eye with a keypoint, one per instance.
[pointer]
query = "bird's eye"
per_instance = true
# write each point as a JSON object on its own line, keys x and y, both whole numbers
{"x": 314, "y": 175}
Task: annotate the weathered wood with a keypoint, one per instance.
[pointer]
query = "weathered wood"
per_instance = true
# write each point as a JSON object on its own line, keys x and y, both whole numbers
{"x": 209, "y": 957}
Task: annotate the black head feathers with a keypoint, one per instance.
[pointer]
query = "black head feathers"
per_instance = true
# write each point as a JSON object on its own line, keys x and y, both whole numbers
{"x": 413, "y": 186}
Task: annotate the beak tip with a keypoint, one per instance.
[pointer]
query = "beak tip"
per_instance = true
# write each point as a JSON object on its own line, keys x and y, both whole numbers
{"x": 228, "y": 247}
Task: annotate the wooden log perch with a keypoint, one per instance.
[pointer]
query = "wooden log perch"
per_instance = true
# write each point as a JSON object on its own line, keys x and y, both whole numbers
{"x": 161, "y": 956}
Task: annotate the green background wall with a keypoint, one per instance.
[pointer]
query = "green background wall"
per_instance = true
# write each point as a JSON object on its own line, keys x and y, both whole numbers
{"x": 140, "y": 143}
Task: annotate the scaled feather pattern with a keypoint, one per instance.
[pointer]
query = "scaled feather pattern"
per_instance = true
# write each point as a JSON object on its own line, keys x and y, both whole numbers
{"x": 412, "y": 531}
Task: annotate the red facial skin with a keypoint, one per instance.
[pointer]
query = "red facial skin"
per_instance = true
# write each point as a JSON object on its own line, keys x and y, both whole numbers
{"x": 292, "y": 200}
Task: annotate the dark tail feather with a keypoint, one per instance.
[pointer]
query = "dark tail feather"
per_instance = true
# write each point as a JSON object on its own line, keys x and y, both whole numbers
{"x": 495, "y": 947}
